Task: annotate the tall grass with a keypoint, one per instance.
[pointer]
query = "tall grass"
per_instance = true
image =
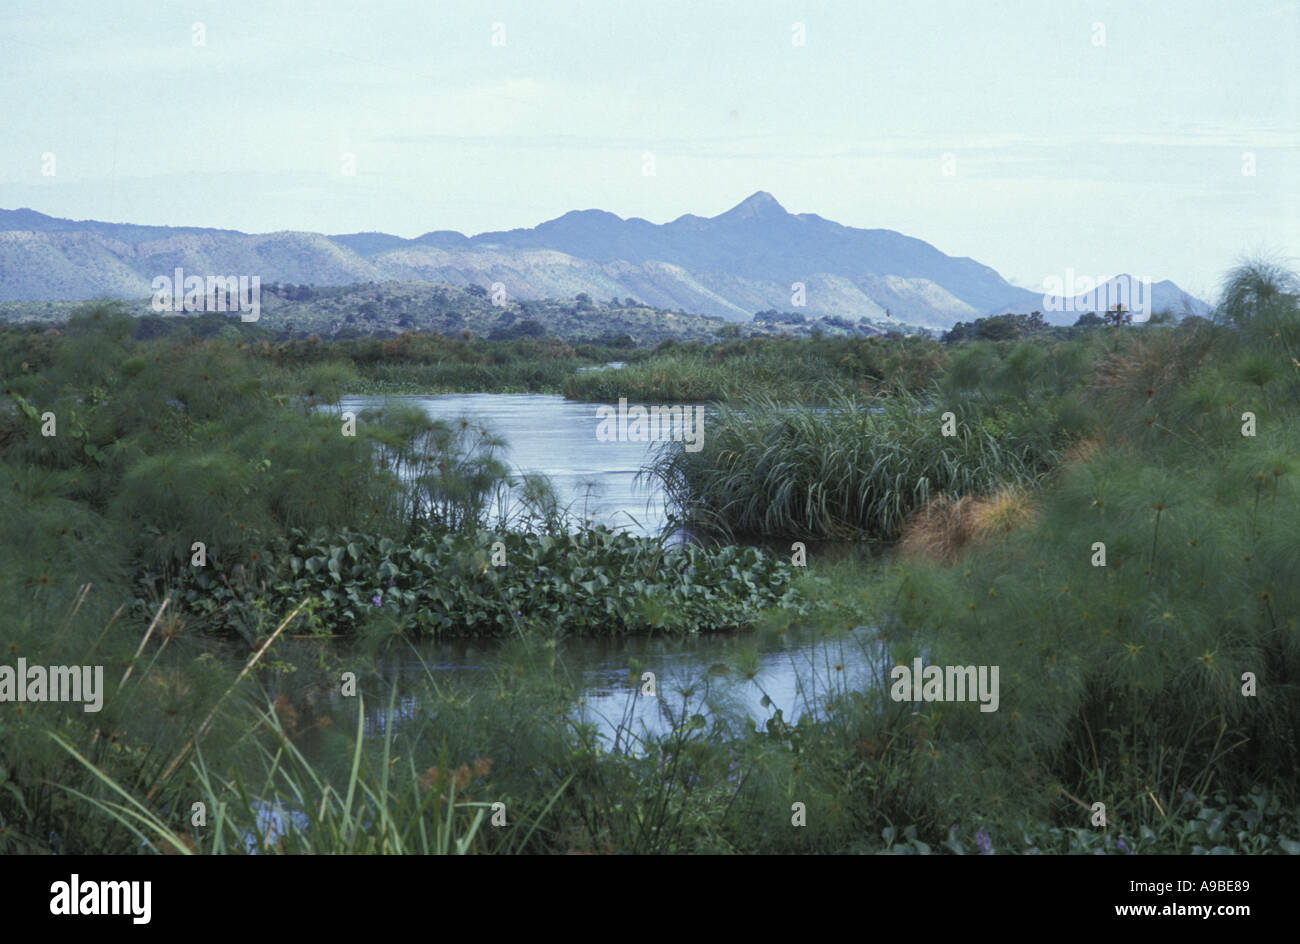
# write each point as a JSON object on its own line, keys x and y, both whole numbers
{"x": 810, "y": 371}
{"x": 1126, "y": 683}
{"x": 855, "y": 468}
{"x": 458, "y": 377}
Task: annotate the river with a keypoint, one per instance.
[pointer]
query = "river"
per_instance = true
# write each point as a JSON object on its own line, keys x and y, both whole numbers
{"x": 599, "y": 480}
{"x": 548, "y": 434}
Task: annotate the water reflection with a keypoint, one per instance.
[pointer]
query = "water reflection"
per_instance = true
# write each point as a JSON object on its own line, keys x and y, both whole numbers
{"x": 743, "y": 679}
{"x": 556, "y": 437}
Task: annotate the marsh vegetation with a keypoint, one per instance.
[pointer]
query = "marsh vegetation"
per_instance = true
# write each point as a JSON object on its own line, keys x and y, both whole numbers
{"x": 1121, "y": 683}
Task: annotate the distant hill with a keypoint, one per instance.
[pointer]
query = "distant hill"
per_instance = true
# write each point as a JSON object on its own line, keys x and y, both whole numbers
{"x": 1122, "y": 289}
{"x": 391, "y": 308}
{"x": 730, "y": 266}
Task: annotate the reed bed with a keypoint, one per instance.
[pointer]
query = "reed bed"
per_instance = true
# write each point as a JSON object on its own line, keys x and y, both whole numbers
{"x": 856, "y": 468}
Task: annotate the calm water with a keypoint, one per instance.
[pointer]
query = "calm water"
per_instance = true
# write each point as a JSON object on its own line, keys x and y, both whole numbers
{"x": 557, "y": 437}
{"x": 703, "y": 674}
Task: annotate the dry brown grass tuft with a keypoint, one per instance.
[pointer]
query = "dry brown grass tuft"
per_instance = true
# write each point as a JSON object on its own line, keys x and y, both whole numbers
{"x": 945, "y": 527}
{"x": 938, "y": 531}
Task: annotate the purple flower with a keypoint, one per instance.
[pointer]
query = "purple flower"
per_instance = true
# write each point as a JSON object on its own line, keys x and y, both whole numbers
{"x": 983, "y": 842}
{"x": 1123, "y": 846}
{"x": 376, "y": 600}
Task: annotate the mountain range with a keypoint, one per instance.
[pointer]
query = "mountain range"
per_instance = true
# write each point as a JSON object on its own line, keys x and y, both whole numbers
{"x": 745, "y": 260}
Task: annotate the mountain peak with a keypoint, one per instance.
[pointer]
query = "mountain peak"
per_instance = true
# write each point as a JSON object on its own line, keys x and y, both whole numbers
{"x": 760, "y": 203}
{"x": 727, "y": 266}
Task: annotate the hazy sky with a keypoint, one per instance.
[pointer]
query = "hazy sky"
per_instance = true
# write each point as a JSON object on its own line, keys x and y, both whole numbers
{"x": 1064, "y": 152}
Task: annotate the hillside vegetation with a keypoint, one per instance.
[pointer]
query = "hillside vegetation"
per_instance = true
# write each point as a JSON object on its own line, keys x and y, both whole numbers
{"x": 390, "y": 309}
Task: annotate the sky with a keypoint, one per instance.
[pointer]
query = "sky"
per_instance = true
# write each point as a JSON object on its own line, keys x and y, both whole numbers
{"x": 1161, "y": 139}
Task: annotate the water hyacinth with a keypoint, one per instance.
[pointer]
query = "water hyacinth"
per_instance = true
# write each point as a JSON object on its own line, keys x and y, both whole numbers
{"x": 591, "y": 581}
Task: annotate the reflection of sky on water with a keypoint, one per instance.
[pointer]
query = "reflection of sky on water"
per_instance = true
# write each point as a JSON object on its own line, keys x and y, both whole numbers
{"x": 700, "y": 674}
{"x": 556, "y": 437}
{"x": 793, "y": 677}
